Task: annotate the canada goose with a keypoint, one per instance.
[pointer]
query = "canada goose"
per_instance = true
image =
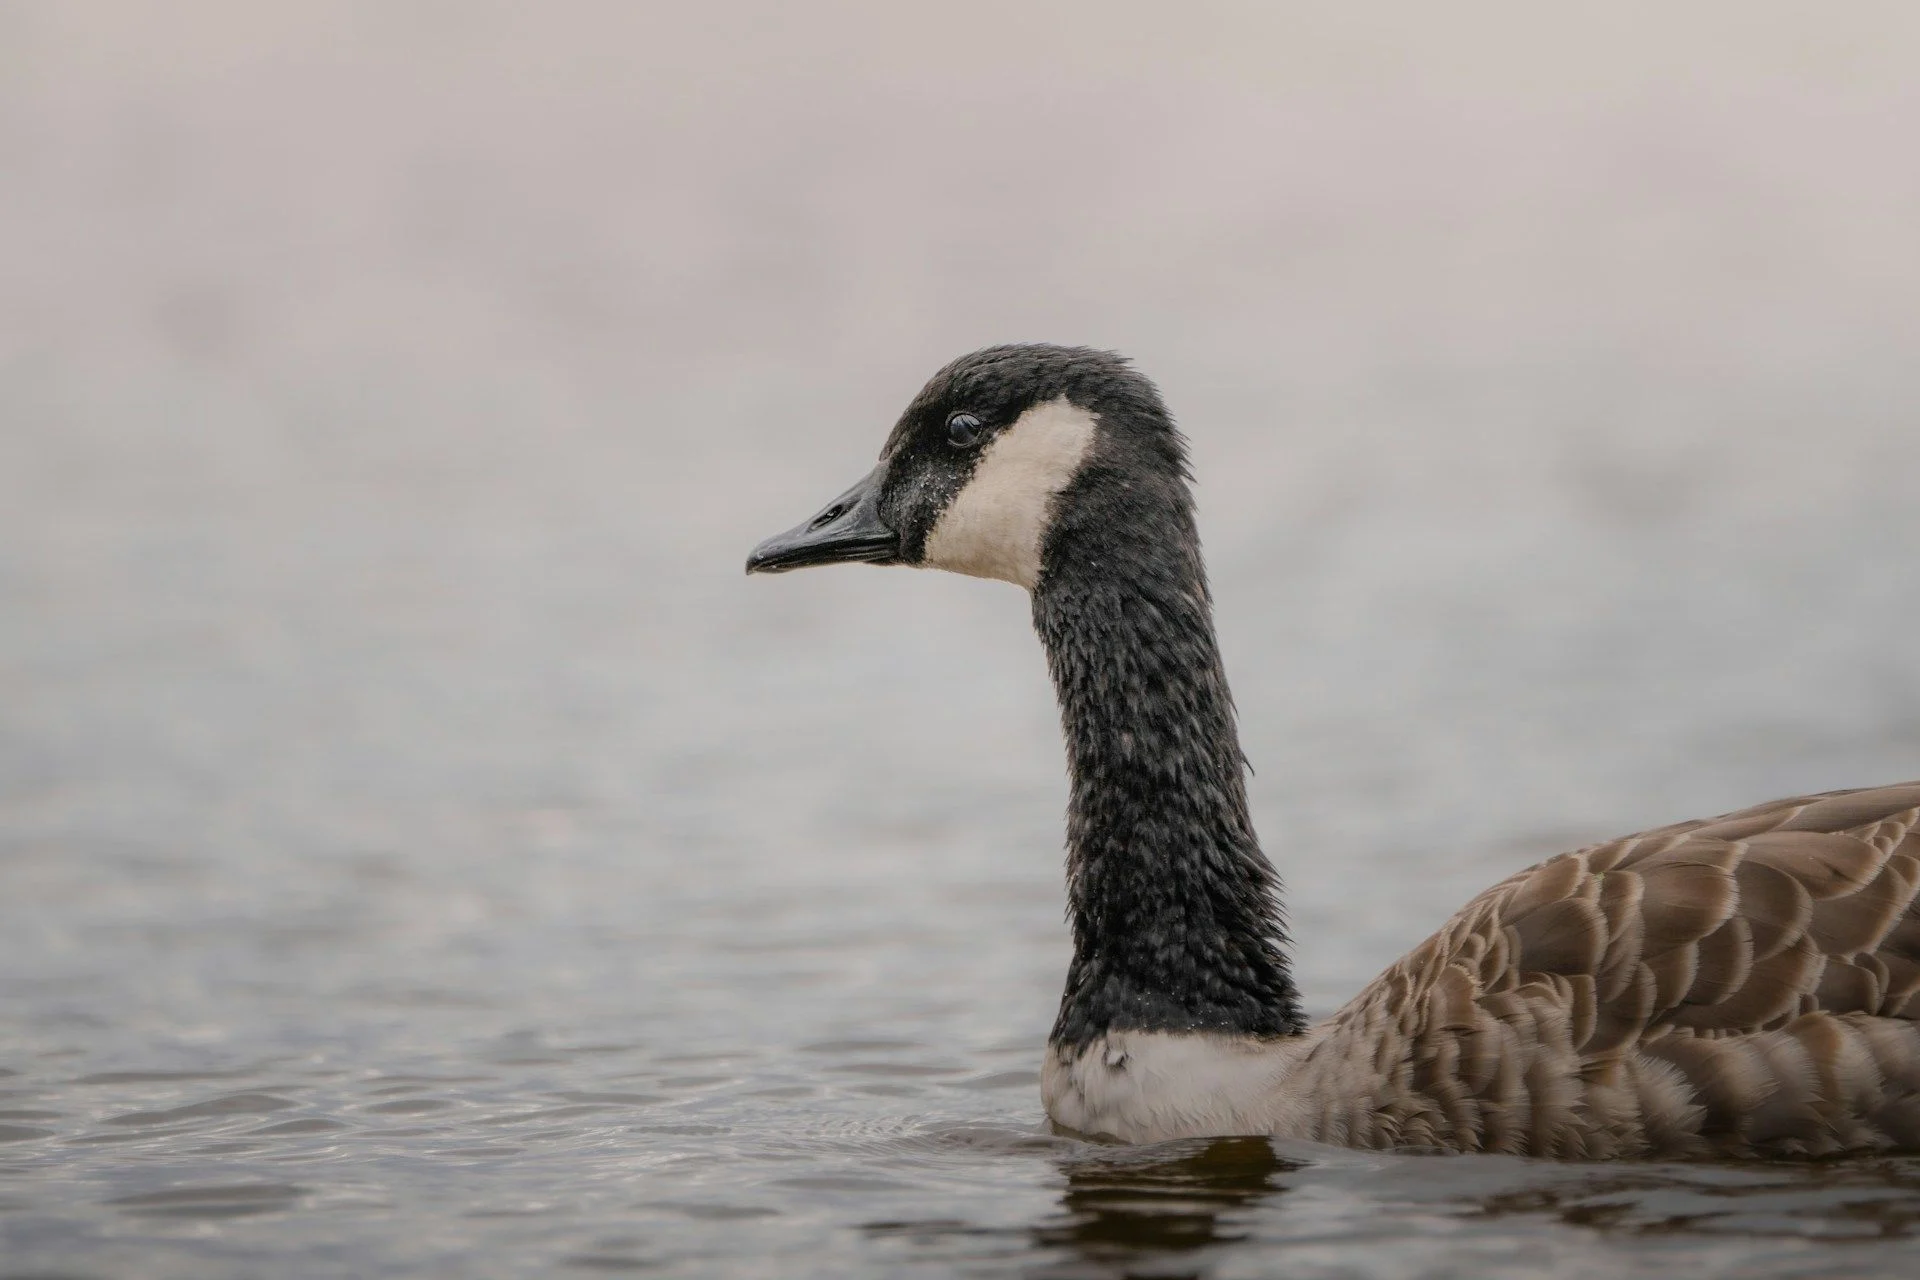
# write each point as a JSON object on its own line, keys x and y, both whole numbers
{"x": 1743, "y": 985}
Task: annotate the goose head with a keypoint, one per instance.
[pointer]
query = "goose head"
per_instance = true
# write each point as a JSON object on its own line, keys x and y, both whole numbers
{"x": 1000, "y": 452}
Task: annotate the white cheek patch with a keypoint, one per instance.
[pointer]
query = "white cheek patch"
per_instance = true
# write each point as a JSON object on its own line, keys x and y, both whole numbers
{"x": 995, "y": 526}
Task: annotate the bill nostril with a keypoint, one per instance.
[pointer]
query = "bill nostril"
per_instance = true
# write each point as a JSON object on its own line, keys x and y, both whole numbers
{"x": 828, "y": 516}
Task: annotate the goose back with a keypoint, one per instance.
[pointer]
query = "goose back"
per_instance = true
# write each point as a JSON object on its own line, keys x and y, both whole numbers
{"x": 1743, "y": 985}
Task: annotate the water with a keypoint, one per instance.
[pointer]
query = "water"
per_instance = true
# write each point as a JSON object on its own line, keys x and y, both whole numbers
{"x": 423, "y": 853}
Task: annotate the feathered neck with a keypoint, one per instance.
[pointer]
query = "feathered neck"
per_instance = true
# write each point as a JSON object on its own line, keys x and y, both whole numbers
{"x": 1175, "y": 911}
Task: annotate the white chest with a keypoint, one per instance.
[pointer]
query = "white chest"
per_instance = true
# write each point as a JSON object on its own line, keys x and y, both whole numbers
{"x": 1152, "y": 1086}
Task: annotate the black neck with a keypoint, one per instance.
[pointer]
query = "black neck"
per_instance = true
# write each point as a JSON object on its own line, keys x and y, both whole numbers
{"x": 1175, "y": 911}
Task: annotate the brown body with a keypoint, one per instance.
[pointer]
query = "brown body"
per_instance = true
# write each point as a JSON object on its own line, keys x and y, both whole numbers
{"x": 1743, "y": 985}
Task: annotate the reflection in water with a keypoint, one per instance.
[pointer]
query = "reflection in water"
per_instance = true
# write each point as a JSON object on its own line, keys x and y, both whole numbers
{"x": 1832, "y": 1200}
{"x": 1126, "y": 1211}
{"x": 1127, "y": 1208}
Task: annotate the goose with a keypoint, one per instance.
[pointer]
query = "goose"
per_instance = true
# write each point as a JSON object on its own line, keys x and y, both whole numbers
{"x": 1740, "y": 986}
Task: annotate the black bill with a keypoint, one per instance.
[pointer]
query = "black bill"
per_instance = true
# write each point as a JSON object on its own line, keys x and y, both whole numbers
{"x": 848, "y": 530}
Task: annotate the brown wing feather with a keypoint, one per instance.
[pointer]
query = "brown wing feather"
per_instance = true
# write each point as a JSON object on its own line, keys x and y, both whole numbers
{"x": 1742, "y": 984}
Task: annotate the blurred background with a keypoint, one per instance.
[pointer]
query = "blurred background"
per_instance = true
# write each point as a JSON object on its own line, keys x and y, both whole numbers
{"x": 390, "y": 392}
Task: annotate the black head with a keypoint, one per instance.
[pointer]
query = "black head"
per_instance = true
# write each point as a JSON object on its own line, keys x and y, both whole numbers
{"x": 984, "y": 463}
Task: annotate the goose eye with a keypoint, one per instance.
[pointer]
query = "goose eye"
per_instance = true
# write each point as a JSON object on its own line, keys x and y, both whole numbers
{"x": 963, "y": 430}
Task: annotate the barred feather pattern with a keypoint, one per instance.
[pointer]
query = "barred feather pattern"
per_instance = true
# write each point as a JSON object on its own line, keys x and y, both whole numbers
{"x": 1739, "y": 986}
